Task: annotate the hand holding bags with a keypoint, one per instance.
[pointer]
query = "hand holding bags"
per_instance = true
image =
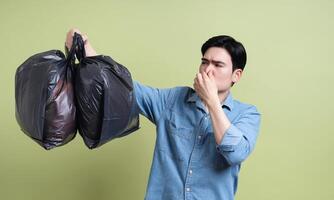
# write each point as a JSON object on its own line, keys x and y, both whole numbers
{"x": 46, "y": 100}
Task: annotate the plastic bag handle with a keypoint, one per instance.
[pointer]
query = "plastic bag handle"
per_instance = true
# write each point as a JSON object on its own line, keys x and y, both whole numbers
{"x": 77, "y": 49}
{"x": 80, "y": 47}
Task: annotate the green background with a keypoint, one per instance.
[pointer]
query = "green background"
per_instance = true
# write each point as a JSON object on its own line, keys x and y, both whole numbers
{"x": 289, "y": 76}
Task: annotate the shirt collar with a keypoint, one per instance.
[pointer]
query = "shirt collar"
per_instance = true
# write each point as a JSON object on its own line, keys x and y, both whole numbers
{"x": 194, "y": 98}
{"x": 229, "y": 101}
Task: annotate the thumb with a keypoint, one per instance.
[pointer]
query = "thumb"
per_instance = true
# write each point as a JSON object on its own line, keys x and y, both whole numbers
{"x": 84, "y": 37}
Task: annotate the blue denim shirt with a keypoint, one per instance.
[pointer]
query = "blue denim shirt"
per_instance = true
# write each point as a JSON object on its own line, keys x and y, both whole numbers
{"x": 187, "y": 162}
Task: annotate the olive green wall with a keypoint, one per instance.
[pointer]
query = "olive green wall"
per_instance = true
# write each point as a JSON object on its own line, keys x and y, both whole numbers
{"x": 289, "y": 76}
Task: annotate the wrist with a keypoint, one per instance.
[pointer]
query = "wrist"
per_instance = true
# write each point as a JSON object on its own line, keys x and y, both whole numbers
{"x": 213, "y": 103}
{"x": 90, "y": 51}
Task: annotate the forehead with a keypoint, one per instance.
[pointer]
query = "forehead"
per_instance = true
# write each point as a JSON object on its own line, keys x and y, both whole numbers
{"x": 218, "y": 54}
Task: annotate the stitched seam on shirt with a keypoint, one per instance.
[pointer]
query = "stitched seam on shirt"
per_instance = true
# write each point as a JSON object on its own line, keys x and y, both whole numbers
{"x": 168, "y": 99}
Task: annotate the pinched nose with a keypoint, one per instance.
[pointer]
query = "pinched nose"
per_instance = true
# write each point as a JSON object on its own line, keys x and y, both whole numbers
{"x": 208, "y": 68}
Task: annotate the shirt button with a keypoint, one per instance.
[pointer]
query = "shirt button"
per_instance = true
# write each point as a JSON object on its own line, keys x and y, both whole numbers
{"x": 190, "y": 171}
{"x": 188, "y": 189}
{"x": 199, "y": 137}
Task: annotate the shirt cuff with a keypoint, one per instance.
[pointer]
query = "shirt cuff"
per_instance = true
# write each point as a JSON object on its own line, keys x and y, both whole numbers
{"x": 231, "y": 138}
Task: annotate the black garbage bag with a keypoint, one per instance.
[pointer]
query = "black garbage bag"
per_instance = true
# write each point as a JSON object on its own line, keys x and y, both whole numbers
{"x": 106, "y": 102}
{"x": 44, "y": 95}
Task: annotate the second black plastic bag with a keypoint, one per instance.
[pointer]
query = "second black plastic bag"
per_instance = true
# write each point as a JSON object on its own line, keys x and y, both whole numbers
{"x": 106, "y": 103}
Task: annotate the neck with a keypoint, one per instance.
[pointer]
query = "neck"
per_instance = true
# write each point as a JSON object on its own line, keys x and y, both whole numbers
{"x": 223, "y": 95}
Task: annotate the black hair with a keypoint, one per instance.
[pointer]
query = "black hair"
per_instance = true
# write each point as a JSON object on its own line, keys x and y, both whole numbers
{"x": 233, "y": 47}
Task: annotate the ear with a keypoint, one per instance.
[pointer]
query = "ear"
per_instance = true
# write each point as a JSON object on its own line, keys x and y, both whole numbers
{"x": 236, "y": 75}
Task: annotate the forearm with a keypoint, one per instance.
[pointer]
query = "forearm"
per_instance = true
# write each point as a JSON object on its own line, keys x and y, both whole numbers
{"x": 220, "y": 122}
{"x": 237, "y": 140}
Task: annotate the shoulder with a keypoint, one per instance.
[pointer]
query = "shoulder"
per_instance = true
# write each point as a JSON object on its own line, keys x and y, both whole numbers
{"x": 244, "y": 108}
{"x": 182, "y": 91}
{"x": 178, "y": 94}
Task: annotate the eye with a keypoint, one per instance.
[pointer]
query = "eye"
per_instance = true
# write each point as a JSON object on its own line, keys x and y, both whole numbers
{"x": 204, "y": 62}
{"x": 219, "y": 65}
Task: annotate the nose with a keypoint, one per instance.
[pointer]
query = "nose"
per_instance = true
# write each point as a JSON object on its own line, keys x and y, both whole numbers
{"x": 208, "y": 67}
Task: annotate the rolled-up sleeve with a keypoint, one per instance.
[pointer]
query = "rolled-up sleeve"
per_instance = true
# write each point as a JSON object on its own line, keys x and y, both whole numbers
{"x": 151, "y": 101}
{"x": 240, "y": 138}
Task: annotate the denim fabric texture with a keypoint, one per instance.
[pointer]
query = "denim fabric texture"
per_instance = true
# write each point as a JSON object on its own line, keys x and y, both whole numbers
{"x": 187, "y": 163}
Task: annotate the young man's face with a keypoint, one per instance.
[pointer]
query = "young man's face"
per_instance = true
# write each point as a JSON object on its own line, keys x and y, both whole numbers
{"x": 219, "y": 62}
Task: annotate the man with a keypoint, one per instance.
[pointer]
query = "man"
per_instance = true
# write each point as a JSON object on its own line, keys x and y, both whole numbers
{"x": 203, "y": 134}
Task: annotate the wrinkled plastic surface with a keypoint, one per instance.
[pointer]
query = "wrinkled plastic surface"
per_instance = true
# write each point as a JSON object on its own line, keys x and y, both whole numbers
{"x": 105, "y": 99}
{"x": 44, "y": 94}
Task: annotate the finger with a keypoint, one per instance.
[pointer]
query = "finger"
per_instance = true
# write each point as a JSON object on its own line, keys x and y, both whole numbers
{"x": 84, "y": 38}
{"x": 75, "y": 30}
{"x": 199, "y": 77}
{"x": 210, "y": 74}
{"x": 206, "y": 75}
{"x": 195, "y": 81}
{"x": 68, "y": 41}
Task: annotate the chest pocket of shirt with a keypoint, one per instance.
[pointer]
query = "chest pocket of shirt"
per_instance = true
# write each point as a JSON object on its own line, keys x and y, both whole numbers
{"x": 177, "y": 126}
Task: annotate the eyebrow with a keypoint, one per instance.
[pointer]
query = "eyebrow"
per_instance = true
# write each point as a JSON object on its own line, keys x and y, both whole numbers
{"x": 214, "y": 61}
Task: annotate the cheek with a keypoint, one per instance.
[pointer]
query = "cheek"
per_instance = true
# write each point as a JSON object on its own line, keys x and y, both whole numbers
{"x": 219, "y": 76}
{"x": 222, "y": 79}
{"x": 219, "y": 79}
